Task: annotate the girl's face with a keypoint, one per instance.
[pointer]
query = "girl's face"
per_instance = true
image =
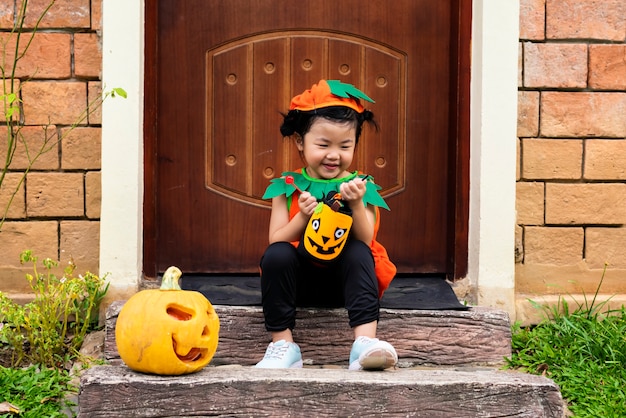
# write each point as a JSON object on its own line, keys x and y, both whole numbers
{"x": 328, "y": 148}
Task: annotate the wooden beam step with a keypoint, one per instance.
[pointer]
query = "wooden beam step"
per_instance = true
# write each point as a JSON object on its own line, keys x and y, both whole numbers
{"x": 116, "y": 391}
{"x": 479, "y": 336}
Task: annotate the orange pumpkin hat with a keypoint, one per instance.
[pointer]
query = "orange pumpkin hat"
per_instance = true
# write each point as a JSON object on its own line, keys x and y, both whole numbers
{"x": 330, "y": 93}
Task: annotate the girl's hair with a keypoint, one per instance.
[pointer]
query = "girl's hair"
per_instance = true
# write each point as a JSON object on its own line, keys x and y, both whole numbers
{"x": 299, "y": 122}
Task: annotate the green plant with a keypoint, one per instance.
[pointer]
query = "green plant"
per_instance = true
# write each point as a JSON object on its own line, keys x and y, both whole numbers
{"x": 13, "y": 48}
{"x": 583, "y": 350}
{"x": 34, "y": 392}
{"x": 50, "y": 329}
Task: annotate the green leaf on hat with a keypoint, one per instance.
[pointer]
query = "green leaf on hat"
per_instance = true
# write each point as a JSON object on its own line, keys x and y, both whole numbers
{"x": 347, "y": 90}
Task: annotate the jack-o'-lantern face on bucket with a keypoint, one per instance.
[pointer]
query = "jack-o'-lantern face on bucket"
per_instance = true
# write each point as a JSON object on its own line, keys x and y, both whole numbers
{"x": 326, "y": 233}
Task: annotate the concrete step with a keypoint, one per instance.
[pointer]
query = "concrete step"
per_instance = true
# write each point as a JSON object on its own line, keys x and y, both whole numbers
{"x": 116, "y": 391}
{"x": 479, "y": 336}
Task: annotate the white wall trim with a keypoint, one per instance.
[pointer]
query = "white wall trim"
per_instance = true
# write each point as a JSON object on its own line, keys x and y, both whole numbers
{"x": 121, "y": 218}
{"x": 493, "y": 153}
{"x": 491, "y": 267}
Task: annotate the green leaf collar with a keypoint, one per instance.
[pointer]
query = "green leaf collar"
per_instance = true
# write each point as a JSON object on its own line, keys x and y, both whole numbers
{"x": 320, "y": 188}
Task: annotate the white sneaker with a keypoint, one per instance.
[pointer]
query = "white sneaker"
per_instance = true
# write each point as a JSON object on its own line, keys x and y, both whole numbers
{"x": 281, "y": 355}
{"x": 372, "y": 354}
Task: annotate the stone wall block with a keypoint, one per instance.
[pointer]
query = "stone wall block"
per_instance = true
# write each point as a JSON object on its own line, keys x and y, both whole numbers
{"x": 39, "y": 236}
{"x": 607, "y": 67}
{"x": 96, "y": 14}
{"x": 63, "y": 14}
{"x": 12, "y": 198}
{"x": 551, "y": 159}
{"x": 93, "y": 194}
{"x": 532, "y": 19}
{"x": 94, "y": 91}
{"x": 606, "y": 245}
{"x": 553, "y": 245}
{"x": 529, "y": 203}
{"x": 555, "y": 65}
{"x": 81, "y": 148}
{"x": 605, "y": 159}
{"x": 6, "y": 15}
{"x": 41, "y": 151}
{"x": 590, "y": 204}
{"x": 528, "y": 114}
{"x": 55, "y": 194}
{"x": 48, "y": 55}
{"x": 586, "y": 19}
{"x": 582, "y": 114}
{"x": 87, "y": 55}
{"x": 49, "y": 102}
{"x": 80, "y": 242}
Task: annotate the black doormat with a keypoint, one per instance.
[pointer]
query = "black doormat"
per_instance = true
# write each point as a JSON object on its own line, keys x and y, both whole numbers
{"x": 418, "y": 293}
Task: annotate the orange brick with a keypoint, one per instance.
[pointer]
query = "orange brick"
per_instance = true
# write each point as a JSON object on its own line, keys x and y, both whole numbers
{"x": 529, "y": 203}
{"x": 95, "y": 102}
{"x": 93, "y": 194}
{"x": 555, "y": 65}
{"x": 12, "y": 197}
{"x": 532, "y": 19}
{"x": 87, "y": 55}
{"x": 80, "y": 242}
{"x": 39, "y": 236}
{"x": 605, "y": 159}
{"x": 6, "y": 15}
{"x": 527, "y": 114}
{"x": 605, "y": 245}
{"x": 565, "y": 114}
{"x": 586, "y": 204}
{"x": 41, "y": 153}
{"x": 81, "y": 148}
{"x": 586, "y": 19}
{"x": 607, "y": 67}
{"x": 96, "y": 14}
{"x": 55, "y": 194}
{"x": 62, "y": 14}
{"x": 548, "y": 159}
{"x": 553, "y": 245}
{"x": 47, "y": 56}
{"x": 54, "y": 102}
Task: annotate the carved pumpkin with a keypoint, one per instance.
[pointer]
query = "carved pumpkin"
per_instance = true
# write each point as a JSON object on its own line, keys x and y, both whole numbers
{"x": 167, "y": 331}
{"x": 327, "y": 231}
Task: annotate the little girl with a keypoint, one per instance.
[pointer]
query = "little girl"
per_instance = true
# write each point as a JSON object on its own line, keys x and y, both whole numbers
{"x": 325, "y": 122}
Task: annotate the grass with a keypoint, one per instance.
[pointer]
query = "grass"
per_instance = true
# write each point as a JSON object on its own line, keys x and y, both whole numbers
{"x": 34, "y": 392}
{"x": 583, "y": 351}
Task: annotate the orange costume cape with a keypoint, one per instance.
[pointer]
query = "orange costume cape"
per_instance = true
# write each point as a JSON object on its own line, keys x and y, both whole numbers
{"x": 384, "y": 268}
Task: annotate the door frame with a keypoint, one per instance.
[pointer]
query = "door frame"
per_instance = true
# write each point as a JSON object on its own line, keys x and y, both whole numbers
{"x": 456, "y": 263}
{"x": 492, "y": 81}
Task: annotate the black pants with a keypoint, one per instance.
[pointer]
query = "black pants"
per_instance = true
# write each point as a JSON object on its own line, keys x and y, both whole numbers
{"x": 289, "y": 279}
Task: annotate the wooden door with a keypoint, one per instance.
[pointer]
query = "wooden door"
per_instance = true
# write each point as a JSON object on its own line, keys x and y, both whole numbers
{"x": 218, "y": 74}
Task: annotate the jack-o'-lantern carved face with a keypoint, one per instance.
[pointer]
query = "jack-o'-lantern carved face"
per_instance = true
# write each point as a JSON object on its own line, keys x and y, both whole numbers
{"x": 167, "y": 331}
{"x": 326, "y": 233}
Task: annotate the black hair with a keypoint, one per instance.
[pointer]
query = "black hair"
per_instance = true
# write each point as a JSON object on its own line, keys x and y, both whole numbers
{"x": 299, "y": 122}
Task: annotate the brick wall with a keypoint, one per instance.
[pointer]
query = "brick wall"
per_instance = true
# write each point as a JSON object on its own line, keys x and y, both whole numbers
{"x": 571, "y": 189}
{"x": 56, "y": 212}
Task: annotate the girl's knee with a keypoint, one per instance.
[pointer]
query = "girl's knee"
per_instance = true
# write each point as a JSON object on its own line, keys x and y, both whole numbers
{"x": 357, "y": 251}
{"x": 279, "y": 254}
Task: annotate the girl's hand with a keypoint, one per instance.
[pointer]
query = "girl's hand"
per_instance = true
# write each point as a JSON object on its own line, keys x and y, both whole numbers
{"x": 353, "y": 190}
{"x": 307, "y": 203}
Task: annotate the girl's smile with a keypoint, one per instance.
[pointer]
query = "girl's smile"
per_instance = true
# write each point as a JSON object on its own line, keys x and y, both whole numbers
{"x": 328, "y": 148}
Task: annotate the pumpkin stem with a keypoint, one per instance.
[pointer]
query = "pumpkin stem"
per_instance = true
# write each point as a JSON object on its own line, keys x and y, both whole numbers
{"x": 170, "y": 279}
